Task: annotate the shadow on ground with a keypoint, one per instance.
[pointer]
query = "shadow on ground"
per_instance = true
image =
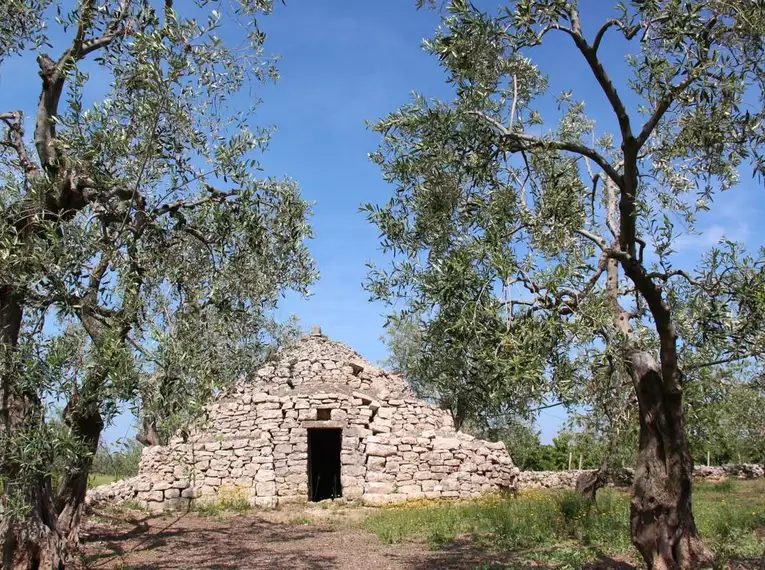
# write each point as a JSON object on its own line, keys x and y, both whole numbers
{"x": 191, "y": 541}
{"x": 266, "y": 541}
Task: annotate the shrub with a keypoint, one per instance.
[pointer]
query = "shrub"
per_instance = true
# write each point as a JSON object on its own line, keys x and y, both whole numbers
{"x": 230, "y": 499}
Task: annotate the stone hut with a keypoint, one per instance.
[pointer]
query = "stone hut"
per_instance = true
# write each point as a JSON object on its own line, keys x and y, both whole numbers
{"x": 319, "y": 422}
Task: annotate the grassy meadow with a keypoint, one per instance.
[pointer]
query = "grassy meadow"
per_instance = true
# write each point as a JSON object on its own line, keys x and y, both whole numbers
{"x": 561, "y": 529}
{"x": 98, "y": 479}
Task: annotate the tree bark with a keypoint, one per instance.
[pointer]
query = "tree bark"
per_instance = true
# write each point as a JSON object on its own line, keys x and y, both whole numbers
{"x": 661, "y": 518}
{"x": 86, "y": 424}
{"x": 30, "y": 539}
{"x": 32, "y": 542}
{"x": 149, "y": 435}
{"x": 587, "y": 484}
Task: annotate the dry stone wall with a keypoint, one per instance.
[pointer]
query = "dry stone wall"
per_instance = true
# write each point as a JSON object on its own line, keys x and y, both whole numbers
{"x": 255, "y": 440}
{"x": 623, "y": 477}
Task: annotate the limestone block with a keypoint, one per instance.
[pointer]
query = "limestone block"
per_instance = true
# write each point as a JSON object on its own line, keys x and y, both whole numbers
{"x": 270, "y": 414}
{"x": 354, "y": 470}
{"x": 266, "y": 488}
{"x": 379, "y": 487}
{"x": 384, "y": 413}
{"x": 154, "y": 496}
{"x": 444, "y": 443}
{"x": 376, "y": 500}
{"x": 259, "y": 397}
{"x": 375, "y": 476}
{"x": 352, "y": 492}
{"x": 380, "y": 449}
{"x": 375, "y": 462}
{"x": 338, "y": 414}
{"x": 266, "y": 502}
{"x": 363, "y": 397}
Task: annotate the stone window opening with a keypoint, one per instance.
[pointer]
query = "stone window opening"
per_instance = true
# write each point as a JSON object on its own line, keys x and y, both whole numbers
{"x": 323, "y": 414}
{"x": 324, "y": 447}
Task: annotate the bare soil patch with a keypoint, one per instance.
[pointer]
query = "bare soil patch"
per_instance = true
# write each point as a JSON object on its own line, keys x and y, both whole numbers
{"x": 297, "y": 538}
{"x": 263, "y": 540}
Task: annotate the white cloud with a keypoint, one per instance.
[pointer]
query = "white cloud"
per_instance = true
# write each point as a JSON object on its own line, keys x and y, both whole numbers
{"x": 710, "y": 236}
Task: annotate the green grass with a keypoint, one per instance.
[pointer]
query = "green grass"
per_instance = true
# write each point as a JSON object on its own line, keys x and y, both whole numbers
{"x": 563, "y": 530}
{"x": 98, "y": 479}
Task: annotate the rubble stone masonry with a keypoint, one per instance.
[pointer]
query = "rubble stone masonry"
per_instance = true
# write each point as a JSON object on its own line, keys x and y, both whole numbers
{"x": 255, "y": 440}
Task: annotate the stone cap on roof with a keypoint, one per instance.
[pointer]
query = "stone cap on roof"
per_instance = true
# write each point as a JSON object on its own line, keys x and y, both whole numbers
{"x": 317, "y": 359}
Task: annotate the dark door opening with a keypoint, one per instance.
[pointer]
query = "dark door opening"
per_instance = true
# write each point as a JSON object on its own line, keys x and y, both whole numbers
{"x": 324, "y": 464}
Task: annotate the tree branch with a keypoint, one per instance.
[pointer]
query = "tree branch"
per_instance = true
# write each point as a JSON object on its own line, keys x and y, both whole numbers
{"x": 522, "y": 142}
{"x": 629, "y": 33}
{"x": 546, "y": 407}
{"x": 674, "y": 273}
{"x": 215, "y": 196}
{"x": 596, "y": 239}
{"x": 727, "y": 360}
{"x": 611, "y": 209}
{"x": 661, "y": 108}
{"x": 53, "y": 74}
{"x": 15, "y": 124}
{"x": 601, "y": 76}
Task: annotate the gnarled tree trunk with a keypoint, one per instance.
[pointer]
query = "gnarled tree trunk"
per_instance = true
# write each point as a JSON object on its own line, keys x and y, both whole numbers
{"x": 588, "y": 483}
{"x": 30, "y": 539}
{"x": 149, "y": 435}
{"x": 86, "y": 424}
{"x": 661, "y": 517}
{"x": 32, "y": 542}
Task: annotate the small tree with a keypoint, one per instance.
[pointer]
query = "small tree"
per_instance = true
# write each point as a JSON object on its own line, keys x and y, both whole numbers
{"x": 569, "y": 233}
{"x": 136, "y": 240}
{"x": 725, "y": 419}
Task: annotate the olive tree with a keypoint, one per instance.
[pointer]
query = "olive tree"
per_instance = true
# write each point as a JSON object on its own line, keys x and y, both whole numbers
{"x": 138, "y": 244}
{"x": 548, "y": 239}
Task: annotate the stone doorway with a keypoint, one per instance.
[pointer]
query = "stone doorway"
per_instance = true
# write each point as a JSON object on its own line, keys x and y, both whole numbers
{"x": 324, "y": 446}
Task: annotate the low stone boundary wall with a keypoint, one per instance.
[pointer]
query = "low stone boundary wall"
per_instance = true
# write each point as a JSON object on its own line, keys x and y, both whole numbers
{"x": 128, "y": 489}
{"x": 623, "y": 477}
{"x": 118, "y": 492}
{"x": 568, "y": 479}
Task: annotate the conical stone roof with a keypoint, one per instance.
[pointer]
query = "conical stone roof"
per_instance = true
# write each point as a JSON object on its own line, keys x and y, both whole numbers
{"x": 317, "y": 363}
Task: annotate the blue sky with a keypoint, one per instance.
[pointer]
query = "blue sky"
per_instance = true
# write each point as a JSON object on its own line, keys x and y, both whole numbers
{"x": 344, "y": 62}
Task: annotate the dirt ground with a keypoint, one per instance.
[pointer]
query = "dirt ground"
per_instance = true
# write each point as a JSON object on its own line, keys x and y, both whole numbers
{"x": 279, "y": 540}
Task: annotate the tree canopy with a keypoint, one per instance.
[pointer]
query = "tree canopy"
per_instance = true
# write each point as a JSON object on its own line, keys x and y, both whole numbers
{"x": 538, "y": 245}
{"x": 143, "y": 251}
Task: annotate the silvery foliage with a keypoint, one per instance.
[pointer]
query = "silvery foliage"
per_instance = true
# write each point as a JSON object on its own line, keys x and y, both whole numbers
{"x": 502, "y": 217}
{"x": 146, "y": 246}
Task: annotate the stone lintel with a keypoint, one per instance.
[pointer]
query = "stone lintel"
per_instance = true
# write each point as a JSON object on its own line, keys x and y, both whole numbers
{"x": 326, "y": 424}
